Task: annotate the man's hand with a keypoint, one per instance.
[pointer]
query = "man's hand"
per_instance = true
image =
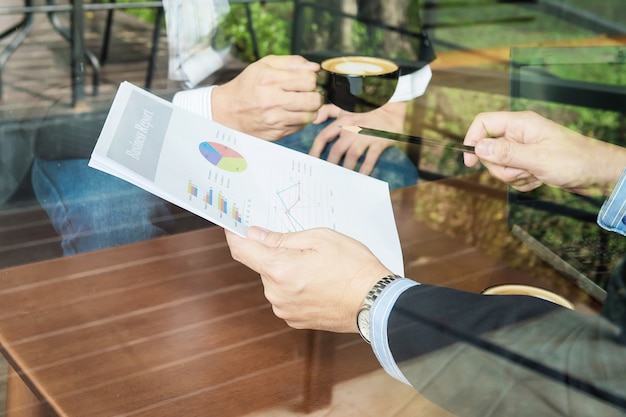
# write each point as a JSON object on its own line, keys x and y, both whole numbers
{"x": 272, "y": 98}
{"x": 526, "y": 150}
{"x": 350, "y": 146}
{"x": 315, "y": 279}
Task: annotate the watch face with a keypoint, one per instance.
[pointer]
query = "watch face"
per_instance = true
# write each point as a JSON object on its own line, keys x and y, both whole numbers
{"x": 363, "y": 323}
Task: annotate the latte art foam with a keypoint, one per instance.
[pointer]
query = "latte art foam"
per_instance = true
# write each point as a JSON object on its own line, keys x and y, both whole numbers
{"x": 358, "y": 68}
{"x": 359, "y": 65}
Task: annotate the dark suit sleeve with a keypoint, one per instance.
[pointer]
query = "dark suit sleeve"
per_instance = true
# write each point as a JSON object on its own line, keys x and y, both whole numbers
{"x": 479, "y": 355}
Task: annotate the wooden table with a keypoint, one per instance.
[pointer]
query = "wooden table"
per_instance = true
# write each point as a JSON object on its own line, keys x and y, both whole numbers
{"x": 173, "y": 326}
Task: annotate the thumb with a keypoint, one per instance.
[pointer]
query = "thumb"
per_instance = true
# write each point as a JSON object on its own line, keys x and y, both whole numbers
{"x": 321, "y": 117}
{"x": 327, "y": 111}
{"x": 506, "y": 153}
{"x": 266, "y": 237}
{"x": 257, "y": 233}
{"x": 255, "y": 250}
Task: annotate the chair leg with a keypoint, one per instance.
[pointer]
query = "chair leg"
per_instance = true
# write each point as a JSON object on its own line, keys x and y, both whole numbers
{"x": 255, "y": 45}
{"x": 24, "y": 28}
{"x": 318, "y": 388}
{"x": 156, "y": 36}
{"x": 21, "y": 402}
{"x": 104, "y": 52}
{"x": 297, "y": 28}
{"x": 79, "y": 53}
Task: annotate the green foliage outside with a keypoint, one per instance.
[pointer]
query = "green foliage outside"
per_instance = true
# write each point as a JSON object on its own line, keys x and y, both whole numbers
{"x": 145, "y": 14}
{"x": 272, "y": 27}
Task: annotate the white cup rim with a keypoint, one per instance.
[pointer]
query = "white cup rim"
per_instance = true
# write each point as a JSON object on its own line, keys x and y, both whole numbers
{"x": 523, "y": 289}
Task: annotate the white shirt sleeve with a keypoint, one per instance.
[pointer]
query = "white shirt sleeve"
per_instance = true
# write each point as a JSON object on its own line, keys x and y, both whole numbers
{"x": 379, "y": 316}
{"x": 197, "y": 100}
{"x": 412, "y": 85}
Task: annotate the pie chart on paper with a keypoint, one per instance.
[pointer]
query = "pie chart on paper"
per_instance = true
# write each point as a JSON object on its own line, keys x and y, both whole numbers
{"x": 223, "y": 157}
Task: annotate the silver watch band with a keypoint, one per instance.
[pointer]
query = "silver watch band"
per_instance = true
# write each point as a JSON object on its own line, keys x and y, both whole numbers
{"x": 373, "y": 294}
{"x": 363, "y": 315}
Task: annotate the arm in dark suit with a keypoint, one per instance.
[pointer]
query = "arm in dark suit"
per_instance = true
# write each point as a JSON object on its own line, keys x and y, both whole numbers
{"x": 507, "y": 355}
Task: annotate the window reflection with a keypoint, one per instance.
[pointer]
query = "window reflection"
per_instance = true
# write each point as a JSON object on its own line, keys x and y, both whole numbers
{"x": 488, "y": 56}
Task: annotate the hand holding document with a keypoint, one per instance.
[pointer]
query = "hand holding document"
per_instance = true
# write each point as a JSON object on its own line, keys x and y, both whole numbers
{"x": 236, "y": 180}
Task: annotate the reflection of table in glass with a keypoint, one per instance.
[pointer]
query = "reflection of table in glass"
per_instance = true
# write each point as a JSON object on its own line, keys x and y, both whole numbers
{"x": 581, "y": 87}
{"x": 174, "y": 326}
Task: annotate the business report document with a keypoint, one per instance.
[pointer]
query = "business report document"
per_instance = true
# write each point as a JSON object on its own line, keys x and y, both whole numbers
{"x": 236, "y": 180}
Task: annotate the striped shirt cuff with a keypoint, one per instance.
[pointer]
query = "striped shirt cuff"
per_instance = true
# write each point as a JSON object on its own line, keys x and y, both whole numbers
{"x": 197, "y": 101}
{"x": 379, "y": 317}
{"x": 612, "y": 216}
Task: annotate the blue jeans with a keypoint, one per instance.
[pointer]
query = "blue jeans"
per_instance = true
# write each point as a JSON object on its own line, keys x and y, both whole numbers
{"x": 393, "y": 166}
{"x": 92, "y": 210}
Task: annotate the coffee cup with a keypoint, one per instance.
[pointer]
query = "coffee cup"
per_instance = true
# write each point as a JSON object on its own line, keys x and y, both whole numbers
{"x": 359, "y": 83}
{"x": 519, "y": 289}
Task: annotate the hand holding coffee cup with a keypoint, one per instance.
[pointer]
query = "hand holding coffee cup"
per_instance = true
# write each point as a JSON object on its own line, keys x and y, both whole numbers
{"x": 359, "y": 83}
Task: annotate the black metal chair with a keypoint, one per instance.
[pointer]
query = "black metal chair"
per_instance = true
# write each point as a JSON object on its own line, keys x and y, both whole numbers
{"x": 156, "y": 34}
{"x": 74, "y": 34}
{"x": 20, "y": 30}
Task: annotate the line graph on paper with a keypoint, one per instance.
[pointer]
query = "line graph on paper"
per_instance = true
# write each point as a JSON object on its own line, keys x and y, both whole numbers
{"x": 300, "y": 201}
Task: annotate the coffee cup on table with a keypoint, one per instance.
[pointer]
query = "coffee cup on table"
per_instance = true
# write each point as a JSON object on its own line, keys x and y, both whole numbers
{"x": 359, "y": 83}
{"x": 519, "y": 289}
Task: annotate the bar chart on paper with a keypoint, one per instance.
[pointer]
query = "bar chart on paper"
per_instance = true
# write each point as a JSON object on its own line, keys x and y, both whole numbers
{"x": 213, "y": 194}
{"x": 215, "y": 197}
{"x": 224, "y": 205}
{"x": 300, "y": 200}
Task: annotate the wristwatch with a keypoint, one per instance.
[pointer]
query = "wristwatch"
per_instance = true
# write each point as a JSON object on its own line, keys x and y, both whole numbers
{"x": 363, "y": 316}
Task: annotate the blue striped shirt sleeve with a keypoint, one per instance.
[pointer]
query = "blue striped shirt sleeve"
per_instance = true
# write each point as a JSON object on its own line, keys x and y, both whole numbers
{"x": 379, "y": 316}
{"x": 612, "y": 216}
